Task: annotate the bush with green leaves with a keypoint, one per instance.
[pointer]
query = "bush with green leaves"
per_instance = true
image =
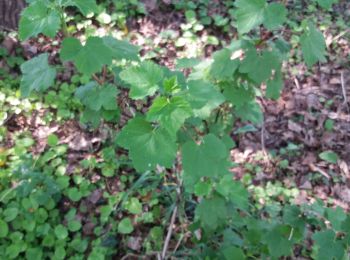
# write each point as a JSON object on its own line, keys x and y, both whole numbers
{"x": 186, "y": 130}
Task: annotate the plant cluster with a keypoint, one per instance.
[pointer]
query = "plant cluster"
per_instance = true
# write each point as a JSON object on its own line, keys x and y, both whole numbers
{"x": 184, "y": 135}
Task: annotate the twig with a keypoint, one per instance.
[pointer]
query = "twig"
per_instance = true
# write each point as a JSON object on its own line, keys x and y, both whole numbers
{"x": 296, "y": 82}
{"x": 343, "y": 87}
{"x": 318, "y": 169}
{"x": 170, "y": 231}
{"x": 100, "y": 82}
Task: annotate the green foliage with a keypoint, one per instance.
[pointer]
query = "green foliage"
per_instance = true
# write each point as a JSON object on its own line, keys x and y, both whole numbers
{"x": 37, "y": 75}
{"x": 184, "y": 134}
{"x": 313, "y": 45}
{"x": 39, "y": 18}
{"x": 139, "y": 136}
{"x": 89, "y": 58}
{"x": 144, "y": 80}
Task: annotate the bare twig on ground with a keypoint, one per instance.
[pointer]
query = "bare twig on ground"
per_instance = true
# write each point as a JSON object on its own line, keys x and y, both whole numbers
{"x": 170, "y": 231}
{"x": 318, "y": 169}
{"x": 343, "y": 87}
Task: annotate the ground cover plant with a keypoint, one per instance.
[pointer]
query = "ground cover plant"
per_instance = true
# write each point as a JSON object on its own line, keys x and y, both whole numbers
{"x": 134, "y": 159}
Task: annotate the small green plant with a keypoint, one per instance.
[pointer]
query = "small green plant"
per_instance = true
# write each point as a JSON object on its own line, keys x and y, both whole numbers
{"x": 185, "y": 132}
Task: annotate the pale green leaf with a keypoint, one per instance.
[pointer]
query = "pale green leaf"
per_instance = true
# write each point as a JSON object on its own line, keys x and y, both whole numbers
{"x": 144, "y": 79}
{"x": 125, "y": 226}
{"x": 171, "y": 113}
{"x": 37, "y": 75}
{"x": 329, "y": 156}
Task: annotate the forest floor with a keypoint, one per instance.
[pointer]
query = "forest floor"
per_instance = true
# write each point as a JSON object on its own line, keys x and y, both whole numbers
{"x": 279, "y": 161}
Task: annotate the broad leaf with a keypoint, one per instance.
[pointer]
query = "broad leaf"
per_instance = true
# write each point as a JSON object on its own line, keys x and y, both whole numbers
{"x": 223, "y": 66}
{"x": 329, "y": 156}
{"x": 275, "y": 15}
{"x": 313, "y": 46}
{"x": 121, "y": 49}
{"x": 85, "y": 6}
{"x": 203, "y": 97}
{"x": 278, "y": 242}
{"x": 38, "y": 18}
{"x": 274, "y": 87}
{"x": 233, "y": 191}
{"x": 170, "y": 112}
{"x": 238, "y": 95}
{"x": 144, "y": 79}
{"x": 147, "y": 146}
{"x": 326, "y": 246}
{"x": 249, "y": 14}
{"x": 250, "y": 111}
{"x": 260, "y": 67}
{"x": 95, "y": 97}
{"x": 212, "y": 212}
{"x": 208, "y": 159}
{"x": 326, "y": 4}
{"x": 37, "y": 75}
{"x": 89, "y": 58}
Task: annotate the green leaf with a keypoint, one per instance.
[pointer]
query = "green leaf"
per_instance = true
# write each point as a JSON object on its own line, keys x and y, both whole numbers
{"x": 61, "y": 232}
{"x": 208, "y": 159}
{"x": 238, "y": 95}
{"x": 223, "y": 66}
{"x": 212, "y": 213}
{"x": 336, "y": 217}
{"x": 74, "y": 225}
{"x": 52, "y": 140}
{"x": 134, "y": 206}
{"x": 203, "y": 97}
{"x": 122, "y": 49}
{"x": 144, "y": 79}
{"x": 74, "y": 194}
{"x": 260, "y": 67}
{"x": 37, "y": 75}
{"x": 95, "y": 97}
{"x": 85, "y": 6}
{"x": 278, "y": 242}
{"x": 275, "y": 15}
{"x": 249, "y": 14}
{"x": 4, "y": 229}
{"x": 326, "y": 246}
{"x": 10, "y": 214}
{"x": 233, "y": 191}
{"x": 326, "y": 4}
{"x": 89, "y": 58}
{"x": 233, "y": 252}
{"x": 125, "y": 226}
{"x": 329, "y": 156}
{"x": 313, "y": 46}
{"x": 250, "y": 111}
{"x": 147, "y": 146}
{"x": 171, "y": 113}
{"x": 274, "y": 87}
{"x": 38, "y": 18}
